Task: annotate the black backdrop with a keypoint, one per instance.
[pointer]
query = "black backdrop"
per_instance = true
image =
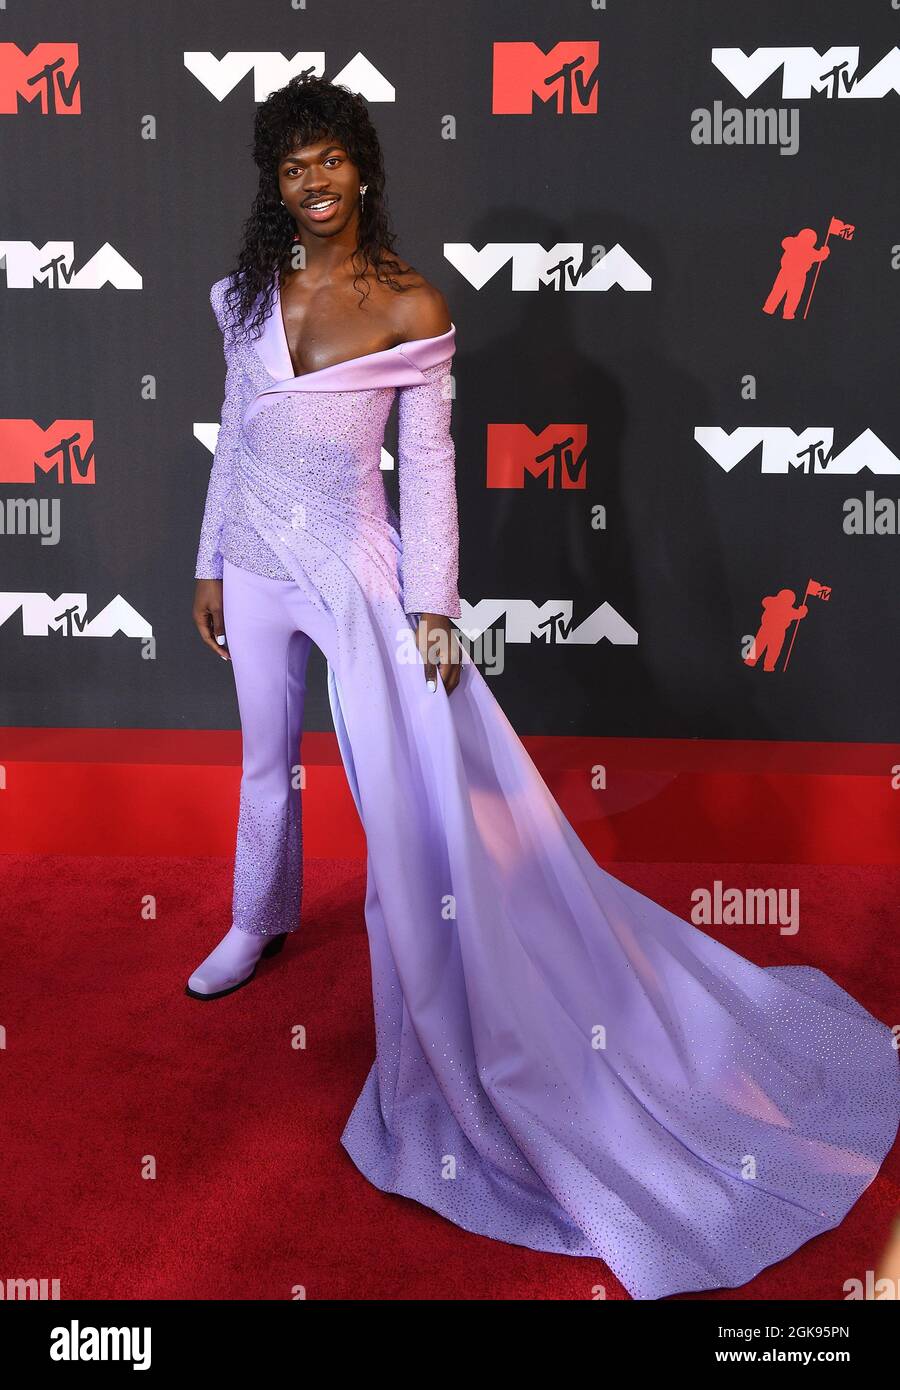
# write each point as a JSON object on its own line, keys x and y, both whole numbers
{"x": 157, "y": 166}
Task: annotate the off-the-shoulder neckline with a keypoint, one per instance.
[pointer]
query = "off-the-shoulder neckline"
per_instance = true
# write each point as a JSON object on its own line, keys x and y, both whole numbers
{"x": 333, "y": 366}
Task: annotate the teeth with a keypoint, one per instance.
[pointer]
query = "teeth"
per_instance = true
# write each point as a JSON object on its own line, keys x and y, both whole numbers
{"x": 317, "y": 207}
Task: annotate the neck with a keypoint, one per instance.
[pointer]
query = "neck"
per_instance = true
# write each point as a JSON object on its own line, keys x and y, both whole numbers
{"x": 326, "y": 258}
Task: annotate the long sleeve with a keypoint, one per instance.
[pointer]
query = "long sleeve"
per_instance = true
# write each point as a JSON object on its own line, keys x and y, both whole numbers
{"x": 426, "y": 474}
{"x": 222, "y": 472}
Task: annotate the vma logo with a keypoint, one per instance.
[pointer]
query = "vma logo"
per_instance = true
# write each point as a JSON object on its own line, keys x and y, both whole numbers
{"x": 220, "y": 76}
{"x": 52, "y": 264}
{"x": 66, "y": 448}
{"x": 44, "y": 80}
{"x": 557, "y": 454}
{"x": 804, "y": 71}
{"x": 562, "y": 267}
{"x": 551, "y": 623}
{"x": 566, "y": 77}
{"x": 66, "y": 616}
{"x": 789, "y": 451}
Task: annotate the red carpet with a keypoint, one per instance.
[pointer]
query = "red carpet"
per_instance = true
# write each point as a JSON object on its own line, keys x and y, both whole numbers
{"x": 172, "y": 791}
{"x": 110, "y": 1072}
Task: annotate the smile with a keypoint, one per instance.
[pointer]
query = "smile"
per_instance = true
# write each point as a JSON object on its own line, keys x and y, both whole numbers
{"x": 321, "y": 209}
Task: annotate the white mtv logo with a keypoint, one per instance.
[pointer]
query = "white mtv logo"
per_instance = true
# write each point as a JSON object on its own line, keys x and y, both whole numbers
{"x": 797, "y": 451}
{"x": 807, "y": 71}
{"x": 52, "y": 264}
{"x": 271, "y": 71}
{"x": 533, "y": 266}
{"x": 67, "y": 615}
{"x": 549, "y": 622}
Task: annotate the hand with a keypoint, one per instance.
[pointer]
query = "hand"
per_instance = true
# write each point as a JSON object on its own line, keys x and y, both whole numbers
{"x": 438, "y": 643}
{"x": 209, "y": 615}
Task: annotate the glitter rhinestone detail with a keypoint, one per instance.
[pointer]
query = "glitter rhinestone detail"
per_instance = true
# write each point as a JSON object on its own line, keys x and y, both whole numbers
{"x": 335, "y": 451}
{"x": 732, "y": 1112}
{"x": 268, "y": 867}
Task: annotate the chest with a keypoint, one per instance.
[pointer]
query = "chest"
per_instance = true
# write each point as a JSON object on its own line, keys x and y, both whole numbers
{"x": 323, "y": 329}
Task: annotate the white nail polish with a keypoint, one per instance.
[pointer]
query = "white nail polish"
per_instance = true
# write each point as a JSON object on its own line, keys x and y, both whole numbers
{"x": 432, "y": 685}
{"x": 221, "y": 641}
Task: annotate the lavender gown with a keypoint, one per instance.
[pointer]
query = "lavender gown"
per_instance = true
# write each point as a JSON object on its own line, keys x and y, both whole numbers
{"x": 561, "y": 1062}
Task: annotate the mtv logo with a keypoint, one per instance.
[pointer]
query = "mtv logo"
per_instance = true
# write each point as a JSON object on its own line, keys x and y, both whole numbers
{"x": 557, "y": 453}
{"x": 44, "y": 79}
{"x": 65, "y": 448}
{"x": 567, "y": 75}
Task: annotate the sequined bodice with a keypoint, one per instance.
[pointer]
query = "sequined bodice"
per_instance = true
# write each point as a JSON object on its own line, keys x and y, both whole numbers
{"x": 294, "y": 442}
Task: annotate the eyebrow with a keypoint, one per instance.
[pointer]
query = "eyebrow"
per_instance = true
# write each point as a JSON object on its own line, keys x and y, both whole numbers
{"x": 288, "y": 158}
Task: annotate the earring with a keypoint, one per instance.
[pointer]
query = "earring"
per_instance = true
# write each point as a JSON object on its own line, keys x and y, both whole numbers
{"x": 362, "y": 195}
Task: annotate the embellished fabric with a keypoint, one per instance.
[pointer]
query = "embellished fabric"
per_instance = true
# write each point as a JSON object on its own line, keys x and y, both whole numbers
{"x": 335, "y": 420}
{"x": 561, "y": 1062}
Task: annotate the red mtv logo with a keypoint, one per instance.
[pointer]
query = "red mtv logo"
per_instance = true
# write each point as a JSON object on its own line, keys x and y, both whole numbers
{"x": 558, "y": 454}
{"x": 66, "y": 447}
{"x": 48, "y": 75}
{"x": 567, "y": 75}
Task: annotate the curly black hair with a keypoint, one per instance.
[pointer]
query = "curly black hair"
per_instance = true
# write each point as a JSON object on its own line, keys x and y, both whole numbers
{"x": 306, "y": 109}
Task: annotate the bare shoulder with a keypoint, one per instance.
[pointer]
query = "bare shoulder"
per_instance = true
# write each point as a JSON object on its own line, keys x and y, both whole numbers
{"x": 420, "y": 311}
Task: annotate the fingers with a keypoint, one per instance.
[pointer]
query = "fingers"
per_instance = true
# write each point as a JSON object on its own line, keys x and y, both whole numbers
{"x": 217, "y": 616}
{"x": 449, "y": 673}
{"x": 427, "y": 657}
{"x": 439, "y": 651}
{"x": 211, "y": 627}
{"x": 451, "y": 670}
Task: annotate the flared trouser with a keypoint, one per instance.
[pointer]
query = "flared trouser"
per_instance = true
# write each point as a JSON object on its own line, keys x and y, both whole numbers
{"x": 561, "y": 1062}
{"x": 270, "y": 625}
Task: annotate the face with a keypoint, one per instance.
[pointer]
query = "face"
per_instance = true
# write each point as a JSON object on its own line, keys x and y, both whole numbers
{"x": 320, "y": 174}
